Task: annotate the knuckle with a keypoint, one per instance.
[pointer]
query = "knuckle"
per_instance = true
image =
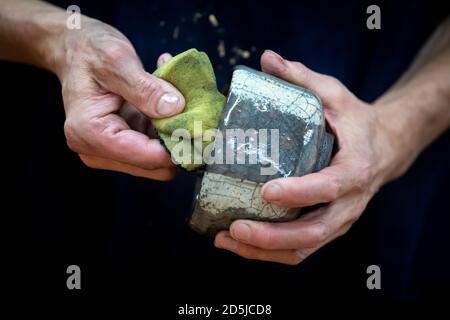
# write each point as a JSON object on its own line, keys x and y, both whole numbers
{"x": 147, "y": 88}
{"x": 301, "y": 70}
{"x": 318, "y": 234}
{"x": 365, "y": 172}
{"x": 72, "y": 140}
{"x": 336, "y": 88}
{"x": 332, "y": 190}
{"x": 334, "y": 81}
{"x": 114, "y": 53}
{"x": 69, "y": 128}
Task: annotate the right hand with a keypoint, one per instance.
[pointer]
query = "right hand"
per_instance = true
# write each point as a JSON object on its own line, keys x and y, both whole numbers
{"x": 109, "y": 100}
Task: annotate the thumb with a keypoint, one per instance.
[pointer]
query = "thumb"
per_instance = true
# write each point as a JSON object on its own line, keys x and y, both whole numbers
{"x": 154, "y": 97}
{"x": 329, "y": 89}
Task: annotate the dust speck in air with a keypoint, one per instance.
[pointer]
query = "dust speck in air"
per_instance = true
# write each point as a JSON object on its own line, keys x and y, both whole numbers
{"x": 176, "y": 33}
{"x": 213, "y": 20}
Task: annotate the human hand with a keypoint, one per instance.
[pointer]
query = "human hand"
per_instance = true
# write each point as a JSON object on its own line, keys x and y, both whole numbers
{"x": 109, "y": 98}
{"x": 367, "y": 158}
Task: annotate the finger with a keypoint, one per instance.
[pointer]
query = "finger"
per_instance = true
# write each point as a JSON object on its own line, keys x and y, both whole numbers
{"x": 329, "y": 89}
{"x": 134, "y": 148}
{"x": 163, "y": 59}
{"x": 111, "y": 138}
{"x": 163, "y": 174}
{"x": 280, "y": 236}
{"x": 320, "y": 187}
{"x": 310, "y": 231}
{"x": 291, "y": 257}
{"x": 123, "y": 74}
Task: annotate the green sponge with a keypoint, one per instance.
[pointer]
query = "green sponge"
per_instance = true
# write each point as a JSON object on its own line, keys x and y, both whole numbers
{"x": 192, "y": 74}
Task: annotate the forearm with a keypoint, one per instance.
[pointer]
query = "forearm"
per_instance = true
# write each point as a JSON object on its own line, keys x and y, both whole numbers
{"x": 416, "y": 110}
{"x": 31, "y": 32}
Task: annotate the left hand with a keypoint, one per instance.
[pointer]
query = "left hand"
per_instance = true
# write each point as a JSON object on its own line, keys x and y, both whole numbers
{"x": 367, "y": 157}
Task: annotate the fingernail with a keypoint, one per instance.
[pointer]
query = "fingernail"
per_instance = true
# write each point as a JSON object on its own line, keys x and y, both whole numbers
{"x": 165, "y": 57}
{"x": 162, "y": 59}
{"x": 277, "y": 63}
{"x": 273, "y": 53}
{"x": 241, "y": 231}
{"x": 168, "y": 105}
{"x": 218, "y": 244}
{"x": 272, "y": 191}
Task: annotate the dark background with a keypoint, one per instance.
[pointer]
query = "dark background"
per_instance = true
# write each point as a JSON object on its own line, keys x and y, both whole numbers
{"x": 129, "y": 235}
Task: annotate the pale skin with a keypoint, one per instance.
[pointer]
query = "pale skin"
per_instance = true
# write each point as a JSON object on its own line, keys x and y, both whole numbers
{"x": 109, "y": 98}
{"x": 99, "y": 70}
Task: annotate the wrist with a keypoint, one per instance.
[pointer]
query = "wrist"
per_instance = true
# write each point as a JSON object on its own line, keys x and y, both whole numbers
{"x": 50, "y": 49}
{"x": 57, "y": 48}
{"x": 397, "y": 150}
{"x": 35, "y": 40}
{"x": 54, "y": 49}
